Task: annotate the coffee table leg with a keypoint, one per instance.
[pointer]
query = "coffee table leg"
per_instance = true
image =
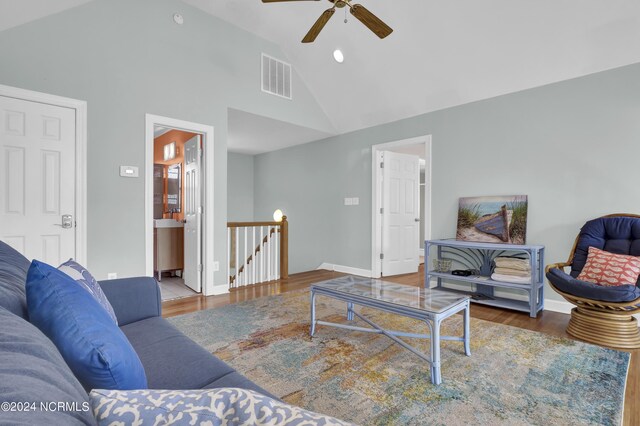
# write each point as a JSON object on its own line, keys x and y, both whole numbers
{"x": 350, "y": 311}
{"x": 313, "y": 313}
{"x": 436, "y": 377}
{"x": 467, "y": 336}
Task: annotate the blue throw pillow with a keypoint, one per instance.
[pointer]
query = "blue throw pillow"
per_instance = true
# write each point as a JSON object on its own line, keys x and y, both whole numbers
{"x": 95, "y": 349}
{"x": 80, "y": 274}
{"x": 222, "y": 406}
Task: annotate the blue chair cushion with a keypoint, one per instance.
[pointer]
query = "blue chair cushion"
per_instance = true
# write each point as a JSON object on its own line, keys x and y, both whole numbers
{"x": 84, "y": 279}
{"x": 570, "y": 285}
{"x": 619, "y": 235}
{"x": 94, "y": 347}
{"x": 13, "y": 276}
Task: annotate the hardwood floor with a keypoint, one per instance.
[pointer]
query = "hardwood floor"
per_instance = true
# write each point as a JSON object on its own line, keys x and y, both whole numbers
{"x": 548, "y": 322}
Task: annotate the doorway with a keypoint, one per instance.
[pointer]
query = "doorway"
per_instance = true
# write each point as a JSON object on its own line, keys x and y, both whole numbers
{"x": 401, "y": 205}
{"x": 178, "y": 218}
{"x": 43, "y": 146}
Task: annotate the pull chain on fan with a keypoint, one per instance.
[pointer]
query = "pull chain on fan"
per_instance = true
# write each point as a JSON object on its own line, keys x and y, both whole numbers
{"x": 361, "y": 13}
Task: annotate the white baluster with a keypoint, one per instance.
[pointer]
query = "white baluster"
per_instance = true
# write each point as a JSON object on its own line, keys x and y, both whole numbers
{"x": 276, "y": 254}
{"x": 253, "y": 255}
{"x": 244, "y": 273}
{"x": 261, "y": 254}
{"x": 268, "y": 260}
{"x": 237, "y": 256}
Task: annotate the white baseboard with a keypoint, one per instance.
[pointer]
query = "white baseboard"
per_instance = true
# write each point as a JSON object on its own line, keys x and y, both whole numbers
{"x": 345, "y": 269}
{"x": 219, "y": 289}
{"x": 557, "y": 306}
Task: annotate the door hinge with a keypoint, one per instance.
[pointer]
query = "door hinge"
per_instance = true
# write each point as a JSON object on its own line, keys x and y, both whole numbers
{"x": 200, "y": 267}
{"x": 381, "y": 210}
{"x": 381, "y": 256}
{"x": 382, "y": 165}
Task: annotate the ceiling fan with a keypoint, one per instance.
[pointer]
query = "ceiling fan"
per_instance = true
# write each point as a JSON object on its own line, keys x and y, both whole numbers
{"x": 370, "y": 20}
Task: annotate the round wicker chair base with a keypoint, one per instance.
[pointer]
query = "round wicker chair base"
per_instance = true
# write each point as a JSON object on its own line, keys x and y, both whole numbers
{"x": 603, "y": 328}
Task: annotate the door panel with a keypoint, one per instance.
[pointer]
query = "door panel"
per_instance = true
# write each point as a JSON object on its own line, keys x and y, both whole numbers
{"x": 400, "y": 201}
{"x": 37, "y": 183}
{"x": 192, "y": 215}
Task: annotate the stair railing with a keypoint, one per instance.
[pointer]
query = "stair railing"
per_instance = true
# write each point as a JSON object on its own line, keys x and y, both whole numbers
{"x": 258, "y": 252}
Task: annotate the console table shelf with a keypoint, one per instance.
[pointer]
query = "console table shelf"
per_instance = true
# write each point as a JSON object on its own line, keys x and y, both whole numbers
{"x": 480, "y": 256}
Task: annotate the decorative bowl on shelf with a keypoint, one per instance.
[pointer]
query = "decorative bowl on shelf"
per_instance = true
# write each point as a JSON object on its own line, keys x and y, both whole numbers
{"x": 442, "y": 265}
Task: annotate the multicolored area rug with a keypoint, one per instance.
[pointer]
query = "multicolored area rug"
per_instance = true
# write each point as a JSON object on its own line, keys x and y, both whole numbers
{"x": 513, "y": 377}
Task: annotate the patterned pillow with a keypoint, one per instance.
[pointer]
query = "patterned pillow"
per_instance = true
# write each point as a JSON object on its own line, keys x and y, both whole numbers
{"x": 609, "y": 269}
{"x": 80, "y": 274}
{"x": 223, "y": 406}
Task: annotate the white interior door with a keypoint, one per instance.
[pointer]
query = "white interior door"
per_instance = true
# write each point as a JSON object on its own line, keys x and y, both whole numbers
{"x": 37, "y": 179}
{"x": 400, "y": 213}
{"x": 192, "y": 214}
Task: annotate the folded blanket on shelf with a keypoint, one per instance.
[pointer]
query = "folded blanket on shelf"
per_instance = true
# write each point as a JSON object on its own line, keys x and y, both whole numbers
{"x": 514, "y": 272}
{"x": 511, "y": 278}
{"x": 512, "y": 263}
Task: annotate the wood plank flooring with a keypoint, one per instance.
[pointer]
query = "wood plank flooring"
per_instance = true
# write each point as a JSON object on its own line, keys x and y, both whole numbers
{"x": 548, "y": 322}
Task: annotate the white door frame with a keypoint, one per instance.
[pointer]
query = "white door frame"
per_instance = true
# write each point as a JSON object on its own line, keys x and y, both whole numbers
{"x": 207, "y": 196}
{"x": 376, "y": 203}
{"x": 80, "y": 108}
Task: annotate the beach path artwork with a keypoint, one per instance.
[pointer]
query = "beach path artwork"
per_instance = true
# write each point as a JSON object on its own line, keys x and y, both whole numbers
{"x": 499, "y": 219}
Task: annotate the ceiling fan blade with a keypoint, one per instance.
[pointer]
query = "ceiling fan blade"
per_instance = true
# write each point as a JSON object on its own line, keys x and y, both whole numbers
{"x": 319, "y": 25}
{"x": 371, "y": 21}
{"x": 277, "y": 1}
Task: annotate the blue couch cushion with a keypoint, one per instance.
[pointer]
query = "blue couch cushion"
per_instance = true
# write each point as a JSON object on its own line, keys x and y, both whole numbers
{"x": 32, "y": 370}
{"x": 619, "y": 235}
{"x": 13, "y": 276}
{"x": 568, "y": 284}
{"x": 94, "y": 347}
{"x": 84, "y": 279}
{"x": 171, "y": 359}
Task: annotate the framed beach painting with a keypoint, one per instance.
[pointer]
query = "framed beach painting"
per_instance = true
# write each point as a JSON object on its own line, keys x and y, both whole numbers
{"x": 493, "y": 219}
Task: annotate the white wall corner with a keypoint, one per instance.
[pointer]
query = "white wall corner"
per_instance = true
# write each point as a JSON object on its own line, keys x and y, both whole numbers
{"x": 345, "y": 269}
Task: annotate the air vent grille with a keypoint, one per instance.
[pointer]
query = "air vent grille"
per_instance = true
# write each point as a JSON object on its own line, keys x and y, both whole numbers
{"x": 276, "y": 77}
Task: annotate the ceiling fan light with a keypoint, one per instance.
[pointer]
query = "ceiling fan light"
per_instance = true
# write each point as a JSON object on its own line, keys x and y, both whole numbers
{"x": 338, "y": 56}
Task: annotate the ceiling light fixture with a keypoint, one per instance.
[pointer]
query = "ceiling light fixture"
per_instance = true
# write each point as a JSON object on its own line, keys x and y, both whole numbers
{"x": 338, "y": 56}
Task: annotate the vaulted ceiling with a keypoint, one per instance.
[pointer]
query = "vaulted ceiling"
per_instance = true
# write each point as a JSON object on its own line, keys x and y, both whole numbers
{"x": 442, "y": 53}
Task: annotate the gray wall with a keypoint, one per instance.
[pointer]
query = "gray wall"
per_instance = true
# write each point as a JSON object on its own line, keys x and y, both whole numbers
{"x": 572, "y": 147}
{"x": 127, "y": 58}
{"x": 240, "y": 187}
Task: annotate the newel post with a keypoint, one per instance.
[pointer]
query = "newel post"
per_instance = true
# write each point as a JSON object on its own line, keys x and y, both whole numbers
{"x": 284, "y": 248}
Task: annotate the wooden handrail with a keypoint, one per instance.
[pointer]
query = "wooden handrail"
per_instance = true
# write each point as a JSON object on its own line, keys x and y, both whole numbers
{"x": 250, "y": 224}
{"x": 284, "y": 244}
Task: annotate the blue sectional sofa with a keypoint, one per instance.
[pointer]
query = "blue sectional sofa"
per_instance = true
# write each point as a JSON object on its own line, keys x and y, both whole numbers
{"x": 33, "y": 371}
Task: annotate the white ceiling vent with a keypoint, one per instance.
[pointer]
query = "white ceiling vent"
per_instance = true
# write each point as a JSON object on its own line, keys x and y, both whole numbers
{"x": 276, "y": 77}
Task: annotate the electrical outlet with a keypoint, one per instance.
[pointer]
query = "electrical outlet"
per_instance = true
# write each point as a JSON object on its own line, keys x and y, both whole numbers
{"x": 112, "y": 275}
{"x": 216, "y": 266}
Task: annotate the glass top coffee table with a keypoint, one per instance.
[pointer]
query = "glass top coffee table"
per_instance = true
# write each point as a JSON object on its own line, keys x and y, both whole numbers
{"x": 429, "y": 305}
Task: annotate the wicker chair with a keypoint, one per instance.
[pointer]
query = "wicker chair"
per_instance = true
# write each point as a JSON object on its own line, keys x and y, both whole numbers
{"x": 603, "y": 315}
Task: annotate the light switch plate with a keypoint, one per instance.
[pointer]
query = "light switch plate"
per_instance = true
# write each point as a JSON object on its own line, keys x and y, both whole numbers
{"x": 348, "y": 201}
{"x": 129, "y": 171}
{"x": 216, "y": 266}
{"x": 355, "y": 201}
